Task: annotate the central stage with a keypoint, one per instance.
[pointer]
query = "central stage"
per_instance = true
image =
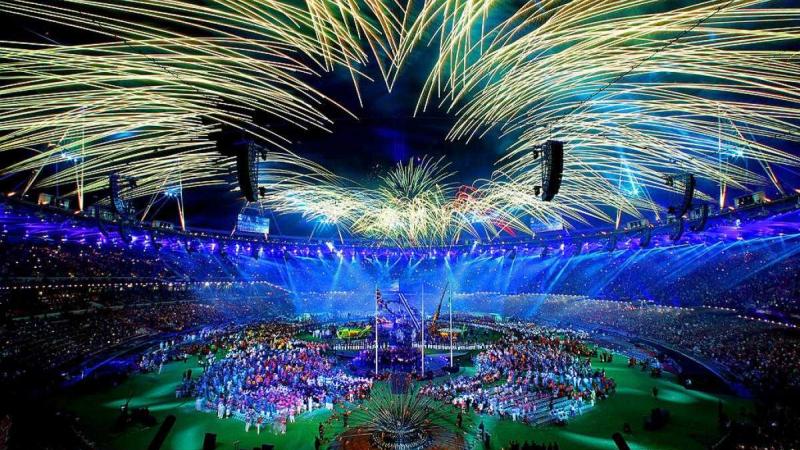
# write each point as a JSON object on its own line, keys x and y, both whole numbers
{"x": 361, "y": 439}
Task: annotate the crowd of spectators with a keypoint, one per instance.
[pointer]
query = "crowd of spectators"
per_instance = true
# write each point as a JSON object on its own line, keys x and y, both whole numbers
{"x": 747, "y": 276}
{"x": 62, "y": 300}
{"x": 761, "y": 275}
{"x": 760, "y": 353}
{"x": 753, "y": 274}
{"x": 47, "y": 260}
{"x": 46, "y": 344}
{"x": 38, "y": 299}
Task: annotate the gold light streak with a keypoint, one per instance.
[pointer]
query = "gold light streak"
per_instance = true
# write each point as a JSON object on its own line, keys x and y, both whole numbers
{"x": 417, "y": 203}
{"x": 135, "y": 117}
{"x": 628, "y": 97}
{"x": 637, "y": 90}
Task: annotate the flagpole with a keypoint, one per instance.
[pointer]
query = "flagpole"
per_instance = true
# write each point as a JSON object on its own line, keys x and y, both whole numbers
{"x": 376, "y": 331}
{"x": 423, "y": 330}
{"x": 451, "y": 329}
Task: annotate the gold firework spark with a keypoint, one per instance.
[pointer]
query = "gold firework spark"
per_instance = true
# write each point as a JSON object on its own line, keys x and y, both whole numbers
{"x": 636, "y": 89}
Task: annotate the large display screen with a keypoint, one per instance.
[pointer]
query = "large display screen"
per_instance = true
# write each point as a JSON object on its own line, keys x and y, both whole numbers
{"x": 549, "y": 224}
{"x": 252, "y": 224}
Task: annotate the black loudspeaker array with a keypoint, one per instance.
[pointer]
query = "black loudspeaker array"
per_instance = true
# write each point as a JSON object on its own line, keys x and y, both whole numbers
{"x": 116, "y": 183}
{"x": 688, "y": 195}
{"x": 124, "y": 210}
{"x": 158, "y": 439}
{"x": 232, "y": 142}
{"x": 552, "y": 168}
{"x": 247, "y": 171}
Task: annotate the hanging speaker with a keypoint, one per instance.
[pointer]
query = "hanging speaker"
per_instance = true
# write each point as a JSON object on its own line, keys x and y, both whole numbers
{"x": 688, "y": 195}
{"x": 552, "y": 169}
{"x": 247, "y": 171}
{"x": 232, "y": 142}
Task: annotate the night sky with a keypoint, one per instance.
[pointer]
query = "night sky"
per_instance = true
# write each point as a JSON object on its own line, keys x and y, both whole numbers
{"x": 385, "y": 133}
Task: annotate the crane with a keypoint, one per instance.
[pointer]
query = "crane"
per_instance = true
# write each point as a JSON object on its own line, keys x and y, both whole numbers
{"x": 433, "y": 327}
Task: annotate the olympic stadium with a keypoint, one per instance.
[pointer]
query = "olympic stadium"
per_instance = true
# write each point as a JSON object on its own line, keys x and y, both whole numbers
{"x": 400, "y": 225}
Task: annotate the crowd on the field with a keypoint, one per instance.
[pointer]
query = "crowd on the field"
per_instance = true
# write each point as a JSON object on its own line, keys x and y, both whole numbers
{"x": 260, "y": 374}
{"x": 524, "y": 374}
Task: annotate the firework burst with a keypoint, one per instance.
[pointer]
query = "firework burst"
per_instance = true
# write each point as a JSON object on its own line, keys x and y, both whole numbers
{"x": 637, "y": 90}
